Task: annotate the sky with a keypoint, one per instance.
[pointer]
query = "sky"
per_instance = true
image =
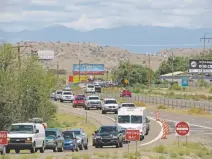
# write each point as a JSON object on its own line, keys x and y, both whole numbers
{"x": 86, "y": 15}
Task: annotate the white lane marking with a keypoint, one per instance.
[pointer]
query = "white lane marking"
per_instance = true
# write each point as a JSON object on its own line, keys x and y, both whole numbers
{"x": 147, "y": 143}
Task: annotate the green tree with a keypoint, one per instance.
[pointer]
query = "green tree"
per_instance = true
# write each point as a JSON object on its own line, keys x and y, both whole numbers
{"x": 134, "y": 73}
{"x": 24, "y": 92}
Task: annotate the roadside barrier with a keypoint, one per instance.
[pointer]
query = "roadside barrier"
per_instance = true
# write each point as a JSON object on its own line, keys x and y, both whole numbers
{"x": 164, "y": 130}
{"x": 168, "y": 129}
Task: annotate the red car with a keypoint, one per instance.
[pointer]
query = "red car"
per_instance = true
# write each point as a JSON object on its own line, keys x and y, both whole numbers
{"x": 79, "y": 101}
{"x": 125, "y": 93}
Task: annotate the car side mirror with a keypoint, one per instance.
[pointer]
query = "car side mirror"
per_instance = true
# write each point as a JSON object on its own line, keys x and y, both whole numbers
{"x": 120, "y": 132}
{"x": 37, "y": 131}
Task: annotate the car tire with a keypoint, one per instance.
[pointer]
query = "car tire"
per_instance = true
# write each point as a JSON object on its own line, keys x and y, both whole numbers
{"x": 42, "y": 149}
{"x": 77, "y": 149}
{"x": 61, "y": 149}
{"x": 17, "y": 150}
{"x": 55, "y": 149}
{"x": 81, "y": 146}
{"x": 7, "y": 150}
{"x": 116, "y": 112}
{"x": 72, "y": 150}
{"x": 118, "y": 145}
{"x": 33, "y": 149}
{"x": 121, "y": 144}
{"x": 96, "y": 146}
{"x": 86, "y": 146}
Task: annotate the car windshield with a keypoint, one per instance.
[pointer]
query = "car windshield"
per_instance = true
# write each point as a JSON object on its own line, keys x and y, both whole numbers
{"x": 93, "y": 98}
{"x": 68, "y": 135}
{"x": 128, "y": 105}
{"x": 136, "y": 119}
{"x": 110, "y": 102}
{"x": 123, "y": 119}
{"x": 90, "y": 86}
{"x": 76, "y": 132}
{"x": 59, "y": 92}
{"x": 79, "y": 98}
{"x": 51, "y": 133}
{"x": 67, "y": 93}
{"x": 28, "y": 129}
{"x": 107, "y": 129}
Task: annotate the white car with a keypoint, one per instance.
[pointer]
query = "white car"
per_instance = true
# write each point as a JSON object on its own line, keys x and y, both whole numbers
{"x": 110, "y": 105}
{"x": 26, "y": 136}
{"x": 131, "y": 105}
{"x": 67, "y": 96}
{"x": 93, "y": 102}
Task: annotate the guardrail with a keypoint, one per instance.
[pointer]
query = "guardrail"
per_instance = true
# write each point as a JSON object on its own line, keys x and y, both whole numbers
{"x": 173, "y": 103}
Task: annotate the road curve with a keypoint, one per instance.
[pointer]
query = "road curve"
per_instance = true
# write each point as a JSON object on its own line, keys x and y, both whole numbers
{"x": 109, "y": 119}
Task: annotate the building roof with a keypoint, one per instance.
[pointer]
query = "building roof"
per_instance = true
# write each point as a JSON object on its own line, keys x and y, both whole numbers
{"x": 174, "y": 73}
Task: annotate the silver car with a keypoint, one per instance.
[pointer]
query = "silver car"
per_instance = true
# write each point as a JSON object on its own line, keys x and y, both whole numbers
{"x": 57, "y": 95}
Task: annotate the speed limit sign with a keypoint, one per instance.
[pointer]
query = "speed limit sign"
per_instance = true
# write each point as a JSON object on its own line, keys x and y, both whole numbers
{"x": 3, "y": 138}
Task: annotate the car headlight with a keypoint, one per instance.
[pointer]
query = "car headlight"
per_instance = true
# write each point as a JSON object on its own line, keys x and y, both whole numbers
{"x": 98, "y": 137}
{"x": 29, "y": 139}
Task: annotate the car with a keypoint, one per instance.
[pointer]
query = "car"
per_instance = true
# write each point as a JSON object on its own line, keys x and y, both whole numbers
{"x": 82, "y": 138}
{"x": 70, "y": 141}
{"x": 2, "y": 149}
{"x": 93, "y": 101}
{"x": 67, "y": 96}
{"x": 52, "y": 95}
{"x": 127, "y": 105}
{"x": 125, "y": 93}
{"x": 94, "y": 137}
{"x": 54, "y": 140}
{"x": 79, "y": 101}
{"x": 26, "y": 136}
{"x": 57, "y": 95}
{"x": 109, "y": 136}
{"x": 110, "y": 105}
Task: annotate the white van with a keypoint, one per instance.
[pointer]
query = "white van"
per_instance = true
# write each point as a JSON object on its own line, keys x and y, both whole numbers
{"x": 90, "y": 88}
{"x": 133, "y": 118}
{"x": 26, "y": 136}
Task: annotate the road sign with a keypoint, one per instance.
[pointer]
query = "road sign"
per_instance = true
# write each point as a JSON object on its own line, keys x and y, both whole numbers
{"x": 3, "y": 138}
{"x": 132, "y": 135}
{"x": 182, "y": 129}
{"x": 126, "y": 81}
{"x": 185, "y": 81}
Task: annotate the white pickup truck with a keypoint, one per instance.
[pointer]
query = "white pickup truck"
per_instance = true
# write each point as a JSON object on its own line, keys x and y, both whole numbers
{"x": 93, "y": 102}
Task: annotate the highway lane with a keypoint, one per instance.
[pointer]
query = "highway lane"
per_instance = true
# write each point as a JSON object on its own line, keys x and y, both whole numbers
{"x": 177, "y": 103}
{"x": 109, "y": 119}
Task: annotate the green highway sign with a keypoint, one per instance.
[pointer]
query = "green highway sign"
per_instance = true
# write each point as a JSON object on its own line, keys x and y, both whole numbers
{"x": 184, "y": 82}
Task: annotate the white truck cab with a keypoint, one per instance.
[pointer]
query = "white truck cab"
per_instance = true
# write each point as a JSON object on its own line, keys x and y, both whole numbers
{"x": 93, "y": 102}
{"x": 90, "y": 88}
{"x": 133, "y": 118}
{"x": 26, "y": 136}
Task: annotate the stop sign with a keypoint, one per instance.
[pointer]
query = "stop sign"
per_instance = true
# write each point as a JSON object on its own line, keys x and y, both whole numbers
{"x": 182, "y": 129}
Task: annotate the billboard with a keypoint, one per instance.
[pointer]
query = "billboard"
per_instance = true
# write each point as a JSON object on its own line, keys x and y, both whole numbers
{"x": 89, "y": 69}
{"x": 82, "y": 79}
{"x": 199, "y": 66}
{"x": 43, "y": 54}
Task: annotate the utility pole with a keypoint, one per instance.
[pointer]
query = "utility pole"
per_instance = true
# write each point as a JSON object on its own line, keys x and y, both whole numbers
{"x": 172, "y": 67}
{"x": 57, "y": 68}
{"x": 149, "y": 72}
{"x": 107, "y": 75}
{"x": 19, "y": 54}
{"x": 79, "y": 69}
{"x": 128, "y": 74}
{"x": 204, "y": 51}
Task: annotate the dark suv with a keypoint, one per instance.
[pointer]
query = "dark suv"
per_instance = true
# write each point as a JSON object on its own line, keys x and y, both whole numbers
{"x": 109, "y": 136}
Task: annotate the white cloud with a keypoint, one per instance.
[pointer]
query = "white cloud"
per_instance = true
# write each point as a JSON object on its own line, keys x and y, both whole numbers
{"x": 91, "y": 14}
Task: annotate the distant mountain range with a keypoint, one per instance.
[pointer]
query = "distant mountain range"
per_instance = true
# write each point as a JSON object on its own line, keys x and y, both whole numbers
{"x": 138, "y": 39}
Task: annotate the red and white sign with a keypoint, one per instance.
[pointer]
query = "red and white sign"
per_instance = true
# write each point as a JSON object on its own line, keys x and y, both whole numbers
{"x": 132, "y": 135}
{"x": 182, "y": 129}
{"x": 3, "y": 138}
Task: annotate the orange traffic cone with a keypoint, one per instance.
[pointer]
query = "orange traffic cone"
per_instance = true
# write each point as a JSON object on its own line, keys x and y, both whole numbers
{"x": 157, "y": 116}
{"x": 164, "y": 130}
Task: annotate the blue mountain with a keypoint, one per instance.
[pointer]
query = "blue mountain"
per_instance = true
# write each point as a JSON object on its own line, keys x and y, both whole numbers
{"x": 134, "y": 38}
